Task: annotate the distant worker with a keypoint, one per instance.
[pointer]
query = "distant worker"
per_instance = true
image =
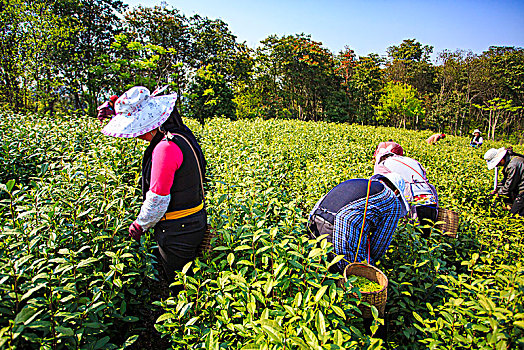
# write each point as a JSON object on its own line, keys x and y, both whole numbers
{"x": 360, "y": 216}
{"x": 433, "y": 139}
{"x": 512, "y": 185}
{"x": 107, "y": 109}
{"x": 389, "y": 146}
{"x": 476, "y": 140}
{"x": 419, "y": 192}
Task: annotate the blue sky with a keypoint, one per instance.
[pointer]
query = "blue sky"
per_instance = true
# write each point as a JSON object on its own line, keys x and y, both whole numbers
{"x": 367, "y": 26}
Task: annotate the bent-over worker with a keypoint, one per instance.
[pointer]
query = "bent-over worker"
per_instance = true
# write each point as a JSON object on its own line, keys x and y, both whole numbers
{"x": 433, "y": 139}
{"x": 340, "y": 214}
{"x": 512, "y": 185}
{"x": 419, "y": 192}
{"x": 388, "y": 146}
{"x": 107, "y": 109}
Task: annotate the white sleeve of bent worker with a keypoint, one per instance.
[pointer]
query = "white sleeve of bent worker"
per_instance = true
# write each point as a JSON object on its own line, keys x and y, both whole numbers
{"x": 153, "y": 209}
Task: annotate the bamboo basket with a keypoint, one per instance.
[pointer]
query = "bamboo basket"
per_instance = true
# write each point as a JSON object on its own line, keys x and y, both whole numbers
{"x": 378, "y": 298}
{"x": 450, "y": 220}
{"x": 205, "y": 245}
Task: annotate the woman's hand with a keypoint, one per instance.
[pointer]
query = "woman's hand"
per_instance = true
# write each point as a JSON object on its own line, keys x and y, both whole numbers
{"x": 135, "y": 231}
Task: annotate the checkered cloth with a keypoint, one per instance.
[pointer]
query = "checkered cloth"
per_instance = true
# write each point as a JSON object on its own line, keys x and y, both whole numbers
{"x": 383, "y": 213}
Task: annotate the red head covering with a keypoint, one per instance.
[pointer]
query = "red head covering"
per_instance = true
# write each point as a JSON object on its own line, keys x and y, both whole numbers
{"x": 390, "y": 146}
{"x": 113, "y": 98}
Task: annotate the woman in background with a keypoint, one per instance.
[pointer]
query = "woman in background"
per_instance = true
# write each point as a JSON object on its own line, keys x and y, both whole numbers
{"x": 477, "y": 140}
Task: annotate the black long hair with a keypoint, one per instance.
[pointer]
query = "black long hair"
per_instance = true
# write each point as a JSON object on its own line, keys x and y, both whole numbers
{"x": 175, "y": 125}
{"x": 513, "y": 153}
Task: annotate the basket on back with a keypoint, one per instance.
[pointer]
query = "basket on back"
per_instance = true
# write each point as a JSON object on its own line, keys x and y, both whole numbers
{"x": 450, "y": 220}
{"x": 377, "y": 298}
{"x": 205, "y": 245}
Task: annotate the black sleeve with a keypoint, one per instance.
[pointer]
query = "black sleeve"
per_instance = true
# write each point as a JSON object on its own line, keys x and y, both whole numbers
{"x": 510, "y": 181}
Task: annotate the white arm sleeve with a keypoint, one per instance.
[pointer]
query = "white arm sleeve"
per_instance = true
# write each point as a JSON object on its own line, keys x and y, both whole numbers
{"x": 153, "y": 208}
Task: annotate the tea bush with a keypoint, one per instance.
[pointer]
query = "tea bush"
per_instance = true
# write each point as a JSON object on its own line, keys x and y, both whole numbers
{"x": 70, "y": 277}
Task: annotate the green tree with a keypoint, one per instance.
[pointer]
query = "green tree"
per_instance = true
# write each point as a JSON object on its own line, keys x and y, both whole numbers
{"x": 212, "y": 43}
{"x": 97, "y": 22}
{"x": 498, "y": 110}
{"x": 297, "y": 76}
{"x": 451, "y": 106}
{"x": 399, "y": 106}
{"x": 134, "y": 63}
{"x": 162, "y": 26}
{"x": 12, "y": 36}
{"x": 31, "y": 37}
{"x": 366, "y": 83}
{"x": 210, "y": 96}
{"x": 409, "y": 63}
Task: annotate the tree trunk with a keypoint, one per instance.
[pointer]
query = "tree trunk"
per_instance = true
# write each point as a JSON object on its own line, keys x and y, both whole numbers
{"x": 495, "y": 120}
{"x": 489, "y": 124}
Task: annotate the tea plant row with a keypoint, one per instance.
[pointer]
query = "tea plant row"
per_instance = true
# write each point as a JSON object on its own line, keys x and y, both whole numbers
{"x": 70, "y": 277}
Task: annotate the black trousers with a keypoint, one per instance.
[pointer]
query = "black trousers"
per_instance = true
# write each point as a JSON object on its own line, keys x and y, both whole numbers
{"x": 427, "y": 215}
{"x": 178, "y": 241}
{"x": 518, "y": 205}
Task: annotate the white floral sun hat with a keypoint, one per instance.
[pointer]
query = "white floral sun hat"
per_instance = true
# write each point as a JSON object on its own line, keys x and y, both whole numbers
{"x": 138, "y": 112}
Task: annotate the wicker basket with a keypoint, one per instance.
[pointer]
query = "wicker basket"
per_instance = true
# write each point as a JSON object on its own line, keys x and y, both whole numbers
{"x": 378, "y": 298}
{"x": 205, "y": 245}
{"x": 451, "y": 222}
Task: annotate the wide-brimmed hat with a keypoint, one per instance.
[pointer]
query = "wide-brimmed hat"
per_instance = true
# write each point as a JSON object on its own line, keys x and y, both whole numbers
{"x": 475, "y": 131}
{"x": 493, "y": 156}
{"x": 138, "y": 112}
{"x": 400, "y": 184}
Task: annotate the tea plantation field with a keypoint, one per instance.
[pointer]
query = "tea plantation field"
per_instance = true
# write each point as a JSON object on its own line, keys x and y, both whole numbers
{"x": 70, "y": 278}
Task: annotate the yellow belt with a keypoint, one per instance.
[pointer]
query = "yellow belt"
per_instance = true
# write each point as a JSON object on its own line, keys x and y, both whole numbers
{"x": 182, "y": 213}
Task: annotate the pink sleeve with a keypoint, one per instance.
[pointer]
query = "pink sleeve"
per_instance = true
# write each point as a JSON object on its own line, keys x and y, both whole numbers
{"x": 167, "y": 159}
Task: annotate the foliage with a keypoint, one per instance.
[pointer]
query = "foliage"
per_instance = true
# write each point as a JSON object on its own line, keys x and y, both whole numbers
{"x": 136, "y": 64}
{"x": 399, "y": 105}
{"x": 71, "y": 55}
{"x": 161, "y": 26}
{"x": 297, "y": 75}
{"x": 31, "y": 39}
{"x": 97, "y": 22}
{"x": 70, "y": 277}
{"x": 410, "y": 64}
{"x": 498, "y": 108}
{"x": 366, "y": 88}
{"x": 210, "y": 96}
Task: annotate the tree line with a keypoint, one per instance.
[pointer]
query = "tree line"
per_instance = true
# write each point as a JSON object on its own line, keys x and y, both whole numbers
{"x": 66, "y": 56}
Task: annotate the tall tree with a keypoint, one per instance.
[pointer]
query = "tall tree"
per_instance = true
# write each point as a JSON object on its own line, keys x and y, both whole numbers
{"x": 409, "y": 63}
{"x": 366, "y": 85}
{"x": 30, "y": 39}
{"x": 210, "y": 96}
{"x": 399, "y": 106}
{"x": 164, "y": 27}
{"x": 212, "y": 43}
{"x": 98, "y": 22}
{"x": 498, "y": 110}
{"x": 298, "y": 74}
